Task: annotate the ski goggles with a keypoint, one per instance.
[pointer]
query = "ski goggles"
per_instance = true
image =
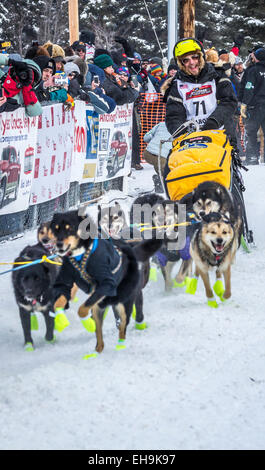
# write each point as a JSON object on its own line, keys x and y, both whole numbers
{"x": 184, "y": 46}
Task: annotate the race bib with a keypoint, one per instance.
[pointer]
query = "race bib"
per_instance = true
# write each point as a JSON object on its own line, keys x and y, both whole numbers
{"x": 199, "y": 99}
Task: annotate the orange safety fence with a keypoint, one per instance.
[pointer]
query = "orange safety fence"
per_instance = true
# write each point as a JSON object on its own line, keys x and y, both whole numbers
{"x": 151, "y": 111}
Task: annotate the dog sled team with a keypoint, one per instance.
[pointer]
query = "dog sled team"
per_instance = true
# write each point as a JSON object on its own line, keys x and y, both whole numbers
{"x": 200, "y": 222}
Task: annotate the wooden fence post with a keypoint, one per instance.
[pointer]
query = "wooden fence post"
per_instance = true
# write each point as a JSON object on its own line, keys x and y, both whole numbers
{"x": 187, "y": 18}
{"x": 73, "y": 20}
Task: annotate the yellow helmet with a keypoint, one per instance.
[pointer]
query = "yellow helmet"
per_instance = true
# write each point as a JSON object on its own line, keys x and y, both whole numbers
{"x": 186, "y": 45}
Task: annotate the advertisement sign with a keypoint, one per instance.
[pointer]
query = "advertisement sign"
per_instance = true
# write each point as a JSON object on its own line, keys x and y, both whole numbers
{"x": 17, "y": 152}
{"x": 80, "y": 142}
{"x": 55, "y": 143}
{"x": 115, "y": 143}
{"x": 92, "y": 124}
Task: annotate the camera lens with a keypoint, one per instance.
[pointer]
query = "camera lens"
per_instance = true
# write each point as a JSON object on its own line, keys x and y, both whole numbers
{"x": 23, "y": 75}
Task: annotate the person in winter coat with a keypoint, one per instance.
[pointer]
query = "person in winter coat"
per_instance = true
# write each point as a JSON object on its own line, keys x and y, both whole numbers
{"x": 98, "y": 100}
{"x": 253, "y": 105}
{"x": 199, "y": 91}
{"x": 18, "y": 83}
{"x": 113, "y": 85}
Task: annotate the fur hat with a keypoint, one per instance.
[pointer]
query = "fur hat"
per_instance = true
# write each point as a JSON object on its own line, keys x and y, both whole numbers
{"x": 55, "y": 51}
{"x": 211, "y": 55}
{"x": 34, "y": 51}
{"x": 82, "y": 65}
{"x": 103, "y": 61}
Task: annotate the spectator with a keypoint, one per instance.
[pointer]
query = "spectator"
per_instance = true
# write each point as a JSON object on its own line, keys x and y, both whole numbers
{"x": 79, "y": 49}
{"x": 48, "y": 69}
{"x": 157, "y": 77}
{"x": 57, "y": 53}
{"x": 253, "y": 106}
{"x": 92, "y": 94}
{"x": 18, "y": 83}
{"x": 113, "y": 85}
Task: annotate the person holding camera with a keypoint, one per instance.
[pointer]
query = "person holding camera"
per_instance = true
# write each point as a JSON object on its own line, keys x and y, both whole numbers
{"x": 19, "y": 82}
{"x": 113, "y": 85}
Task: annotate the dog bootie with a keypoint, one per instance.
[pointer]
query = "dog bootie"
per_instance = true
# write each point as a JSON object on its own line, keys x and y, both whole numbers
{"x": 121, "y": 345}
{"x": 153, "y": 273}
{"x": 219, "y": 289}
{"x": 212, "y": 303}
{"x": 34, "y": 325}
{"x": 61, "y": 321}
{"x": 89, "y": 324}
{"x": 28, "y": 347}
{"x": 141, "y": 325}
{"x": 179, "y": 284}
{"x": 191, "y": 285}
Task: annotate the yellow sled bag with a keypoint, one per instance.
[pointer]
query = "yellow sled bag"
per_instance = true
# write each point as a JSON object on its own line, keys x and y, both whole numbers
{"x": 198, "y": 157}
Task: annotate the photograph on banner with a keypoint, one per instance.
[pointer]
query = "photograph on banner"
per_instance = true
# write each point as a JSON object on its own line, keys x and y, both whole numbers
{"x": 17, "y": 154}
{"x": 55, "y": 139}
{"x": 80, "y": 142}
{"x": 115, "y": 143}
{"x": 92, "y": 125}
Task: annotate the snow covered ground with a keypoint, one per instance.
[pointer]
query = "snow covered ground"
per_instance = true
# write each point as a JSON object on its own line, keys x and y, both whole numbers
{"x": 195, "y": 379}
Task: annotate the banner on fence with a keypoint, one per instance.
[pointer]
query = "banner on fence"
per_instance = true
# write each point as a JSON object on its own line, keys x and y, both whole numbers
{"x": 114, "y": 136}
{"x": 17, "y": 153}
{"x": 55, "y": 138}
{"x": 80, "y": 142}
{"x": 90, "y": 166}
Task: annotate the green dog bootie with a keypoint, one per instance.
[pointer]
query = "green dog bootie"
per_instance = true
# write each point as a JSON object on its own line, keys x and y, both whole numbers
{"x": 61, "y": 321}
{"x": 134, "y": 312}
{"x": 141, "y": 325}
{"x": 219, "y": 289}
{"x": 153, "y": 273}
{"x": 121, "y": 345}
{"x": 178, "y": 284}
{"x": 28, "y": 347}
{"x": 89, "y": 324}
{"x": 191, "y": 285}
{"x": 34, "y": 325}
{"x": 212, "y": 303}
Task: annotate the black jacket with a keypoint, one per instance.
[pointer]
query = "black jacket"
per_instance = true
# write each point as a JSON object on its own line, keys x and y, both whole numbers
{"x": 225, "y": 95}
{"x": 121, "y": 95}
{"x": 98, "y": 272}
{"x": 254, "y": 90}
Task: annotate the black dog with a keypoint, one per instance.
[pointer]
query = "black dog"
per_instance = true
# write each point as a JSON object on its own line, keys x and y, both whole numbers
{"x": 107, "y": 270}
{"x": 33, "y": 288}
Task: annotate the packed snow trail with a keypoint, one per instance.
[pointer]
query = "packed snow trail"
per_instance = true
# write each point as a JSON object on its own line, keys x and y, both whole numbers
{"x": 195, "y": 379}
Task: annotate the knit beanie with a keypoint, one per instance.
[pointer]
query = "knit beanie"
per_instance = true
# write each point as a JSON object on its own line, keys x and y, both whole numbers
{"x": 71, "y": 67}
{"x": 260, "y": 54}
{"x": 155, "y": 69}
{"x": 103, "y": 61}
{"x": 121, "y": 70}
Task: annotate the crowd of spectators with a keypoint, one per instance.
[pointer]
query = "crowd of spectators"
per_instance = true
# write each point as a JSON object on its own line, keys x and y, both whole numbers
{"x": 54, "y": 73}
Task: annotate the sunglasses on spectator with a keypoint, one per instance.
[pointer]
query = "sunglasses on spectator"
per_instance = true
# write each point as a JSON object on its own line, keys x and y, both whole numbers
{"x": 80, "y": 50}
{"x": 188, "y": 59}
{"x": 72, "y": 74}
